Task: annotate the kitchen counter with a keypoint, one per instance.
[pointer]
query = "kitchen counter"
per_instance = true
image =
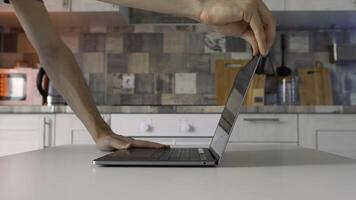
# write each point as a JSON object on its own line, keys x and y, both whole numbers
{"x": 247, "y": 172}
{"x": 182, "y": 109}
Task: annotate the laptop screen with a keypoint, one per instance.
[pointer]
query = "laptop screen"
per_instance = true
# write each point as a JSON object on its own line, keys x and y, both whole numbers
{"x": 233, "y": 106}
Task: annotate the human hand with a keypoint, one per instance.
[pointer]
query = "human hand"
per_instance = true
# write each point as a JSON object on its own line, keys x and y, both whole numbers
{"x": 249, "y": 19}
{"x": 111, "y": 142}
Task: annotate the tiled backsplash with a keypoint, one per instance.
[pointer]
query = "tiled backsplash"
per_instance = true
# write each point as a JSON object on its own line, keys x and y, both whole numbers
{"x": 174, "y": 64}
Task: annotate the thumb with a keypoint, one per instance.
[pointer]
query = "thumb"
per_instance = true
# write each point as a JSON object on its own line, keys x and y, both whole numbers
{"x": 250, "y": 38}
{"x": 120, "y": 145}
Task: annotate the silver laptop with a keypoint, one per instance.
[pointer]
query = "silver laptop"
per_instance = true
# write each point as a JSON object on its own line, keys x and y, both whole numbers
{"x": 192, "y": 156}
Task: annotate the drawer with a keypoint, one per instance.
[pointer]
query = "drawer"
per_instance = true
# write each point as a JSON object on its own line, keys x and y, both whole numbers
{"x": 165, "y": 125}
{"x": 341, "y": 143}
{"x": 266, "y": 128}
{"x": 20, "y": 122}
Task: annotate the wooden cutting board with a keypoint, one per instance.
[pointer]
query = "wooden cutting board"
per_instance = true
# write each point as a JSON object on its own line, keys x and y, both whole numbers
{"x": 315, "y": 86}
{"x": 225, "y": 73}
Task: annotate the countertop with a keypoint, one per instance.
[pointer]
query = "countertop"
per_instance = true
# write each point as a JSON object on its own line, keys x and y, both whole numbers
{"x": 249, "y": 172}
{"x": 182, "y": 109}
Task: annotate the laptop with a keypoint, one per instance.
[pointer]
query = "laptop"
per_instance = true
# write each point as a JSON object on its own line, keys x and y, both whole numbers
{"x": 192, "y": 156}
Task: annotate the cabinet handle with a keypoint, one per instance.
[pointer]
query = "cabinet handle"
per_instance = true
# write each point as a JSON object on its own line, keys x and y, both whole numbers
{"x": 262, "y": 119}
{"x": 46, "y": 134}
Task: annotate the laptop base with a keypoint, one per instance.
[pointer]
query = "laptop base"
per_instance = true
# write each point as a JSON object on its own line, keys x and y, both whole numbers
{"x": 158, "y": 157}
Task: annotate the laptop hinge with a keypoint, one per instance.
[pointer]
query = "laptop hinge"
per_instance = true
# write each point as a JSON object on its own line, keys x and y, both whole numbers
{"x": 215, "y": 155}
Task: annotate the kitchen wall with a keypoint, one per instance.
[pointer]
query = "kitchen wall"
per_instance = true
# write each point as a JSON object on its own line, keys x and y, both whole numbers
{"x": 147, "y": 64}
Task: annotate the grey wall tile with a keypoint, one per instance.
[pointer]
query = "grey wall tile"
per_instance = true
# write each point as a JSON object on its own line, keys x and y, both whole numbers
{"x": 186, "y": 28}
{"x": 144, "y": 83}
{"x": 144, "y": 28}
{"x": 97, "y": 82}
{"x": 164, "y": 28}
{"x": 188, "y": 99}
{"x": 151, "y": 99}
{"x": 138, "y": 63}
{"x": 117, "y": 63}
{"x": 206, "y": 84}
{"x": 99, "y": 98}
{"x": 93, "y": 62}
{"x": 194, "y": 42}
{"x": 114, "y": 83}
{"x": 128, "y": 83}
{"x": 199, "y": 63}
{"x": 143, "y": 42}
{"x": 93, "y": 42}
{"x": 174, "y": 42}
{"x": 299, "y": 42}
{"x": 159, "y": 62}
{"x": 113, "y": 99}
{"x": 235, "y": 44}
{"x": 115, "y": 42}
{"x": 164, "y": 83}
{"x": 185, "y": 83}
{"x": 214, "y": 43}
{"x": 131, "y": 99}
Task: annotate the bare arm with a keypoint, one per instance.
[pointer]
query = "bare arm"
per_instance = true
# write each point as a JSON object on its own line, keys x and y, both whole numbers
{"x": 185, "y": 8}
{"x": 248, "y": 19}
{"x": 63, "y": 70}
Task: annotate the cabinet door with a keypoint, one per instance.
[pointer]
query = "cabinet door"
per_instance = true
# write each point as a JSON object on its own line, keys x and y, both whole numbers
{"x": 331, "y": 133}
{"x": 294, "y": 5}
{"x": 266, "y": 128}
{"x": 21, "y": 133}
{"x": 275, "y": 5}
{"x": 165, "y": 125}
{"x": 341, "y": 143}
{"x": 70, "y": 130}
{"x": 92, "y": 6}
{"x": 58, "y": 5}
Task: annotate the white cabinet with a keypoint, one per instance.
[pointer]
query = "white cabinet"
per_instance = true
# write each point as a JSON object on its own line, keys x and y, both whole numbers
{"x": 92, "y": 6}
{"x": 320, "y": 5}
{"x": 21, "y": 133}
{"x": 330, "y": 133}
{"x": 58, "y": 5}
{"x": 172, "y": 129}
{"x": 266, "y": 128}
{"x": 165, "y": 125}
{"x": 275, "y": 5}
{"x": 70, "y": 130}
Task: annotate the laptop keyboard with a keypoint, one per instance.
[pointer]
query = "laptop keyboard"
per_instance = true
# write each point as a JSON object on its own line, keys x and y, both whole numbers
{"x": 178, "y": 154}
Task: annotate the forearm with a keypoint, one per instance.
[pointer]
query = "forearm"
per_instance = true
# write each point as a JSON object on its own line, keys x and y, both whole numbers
{"x": 186, "y": 8}
{"x": 66, "y": 76}
{"x": 59, "y": 63}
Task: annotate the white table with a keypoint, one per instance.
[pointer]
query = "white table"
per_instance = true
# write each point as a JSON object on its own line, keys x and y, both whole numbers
{"x": 260, "y": 172}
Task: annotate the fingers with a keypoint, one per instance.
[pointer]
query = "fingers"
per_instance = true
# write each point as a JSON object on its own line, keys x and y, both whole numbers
{"x": 232, "y": 29}
{"x": 259, "y": 32}
{"x": 147, "y": 144}
{"x": 122, "y": 143}
{"x": 250, "y": 38}
{"x": 270, "y": 23}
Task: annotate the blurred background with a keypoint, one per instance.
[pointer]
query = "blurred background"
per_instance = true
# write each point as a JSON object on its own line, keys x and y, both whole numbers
{"x": 135, "y": 57}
